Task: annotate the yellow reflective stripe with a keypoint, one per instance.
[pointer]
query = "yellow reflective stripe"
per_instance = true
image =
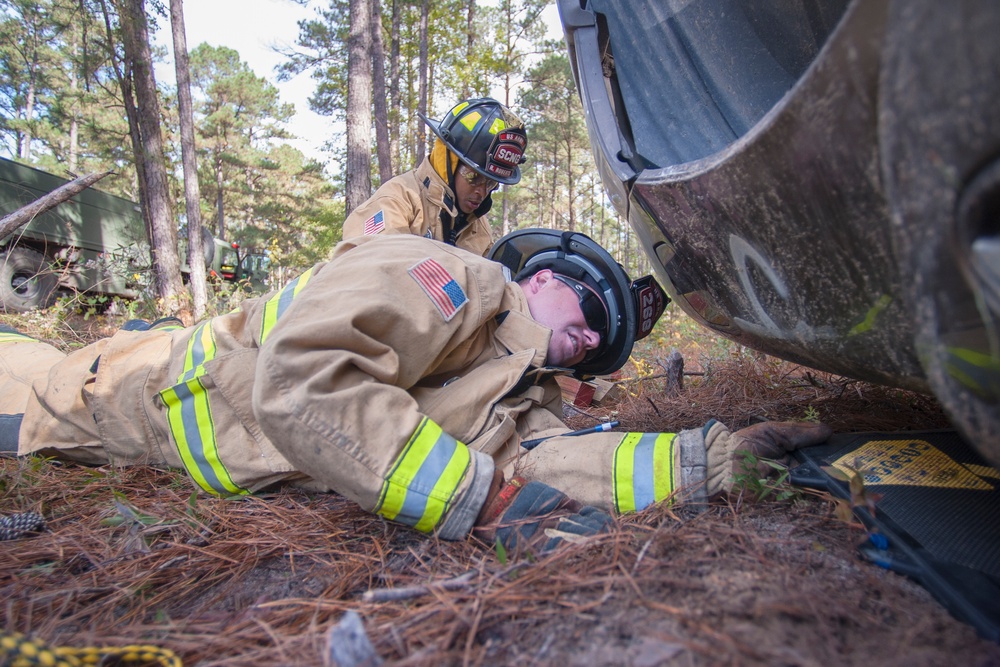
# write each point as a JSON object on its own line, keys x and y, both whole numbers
{"x": 976, "y": 371}
{"x": 458, "y": 108}
{"x": 189, "y": 417}
{"x": 279, "y": 303}
{"x": 471, "y": 120}
{"x": 16, "y": 338}
{"x": 643, "y": 470}
{"x": 423, "y": 480}
{"x": 200, "y": 348}
{"x": 497, "y": 125}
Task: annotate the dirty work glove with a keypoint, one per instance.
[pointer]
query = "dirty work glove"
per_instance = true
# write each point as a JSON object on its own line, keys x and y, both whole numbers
{"x": 767, "y": 440}
{"x": 535, "y": 517}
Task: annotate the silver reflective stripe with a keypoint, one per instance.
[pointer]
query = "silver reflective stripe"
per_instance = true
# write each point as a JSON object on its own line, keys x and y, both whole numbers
{"x": 644, "y": 471}
{"x": 195, "y": 355}
{"x": 427, "y": 477}
{"x": 194, "y": 443}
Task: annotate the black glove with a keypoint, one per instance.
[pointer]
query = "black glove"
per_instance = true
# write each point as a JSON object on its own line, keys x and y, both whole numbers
{"x": 536, "y": 517}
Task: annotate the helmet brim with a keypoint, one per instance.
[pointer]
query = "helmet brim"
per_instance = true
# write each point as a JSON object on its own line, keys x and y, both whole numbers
{"x": 443, "y": 136}
{"x": 536, "y": 249}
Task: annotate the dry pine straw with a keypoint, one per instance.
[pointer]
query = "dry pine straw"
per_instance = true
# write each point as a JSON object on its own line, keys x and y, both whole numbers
{"x": 260, "y": 581}
{"x": 130, "y": 557}
{"x": 749, "y": 388}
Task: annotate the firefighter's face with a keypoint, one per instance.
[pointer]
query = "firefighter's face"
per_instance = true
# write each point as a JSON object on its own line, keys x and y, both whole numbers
{"x": 556, "y": 305}
{"x": 471, "y": 189}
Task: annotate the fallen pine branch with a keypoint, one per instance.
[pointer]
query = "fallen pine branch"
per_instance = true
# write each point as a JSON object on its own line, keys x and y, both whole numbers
{"x": 410, "y": 592}
{"x": 657, "y": 376}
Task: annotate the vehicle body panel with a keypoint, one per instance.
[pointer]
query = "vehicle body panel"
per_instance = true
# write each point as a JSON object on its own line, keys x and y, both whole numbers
{"x": 78, "y": 232}
{"x": 748, "y": 145}
{"x": 94, "y": 241}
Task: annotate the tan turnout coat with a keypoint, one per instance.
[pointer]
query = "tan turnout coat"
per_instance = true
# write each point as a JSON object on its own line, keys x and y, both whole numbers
{"x": 334, "y": 382}
{"x": 411, "y": 203}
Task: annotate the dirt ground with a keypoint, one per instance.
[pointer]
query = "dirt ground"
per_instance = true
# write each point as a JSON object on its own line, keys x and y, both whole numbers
{"x": 133, "y": 556}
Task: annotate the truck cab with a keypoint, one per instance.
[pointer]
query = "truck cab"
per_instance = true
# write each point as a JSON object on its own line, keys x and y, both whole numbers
{"x": 230, "y": 264}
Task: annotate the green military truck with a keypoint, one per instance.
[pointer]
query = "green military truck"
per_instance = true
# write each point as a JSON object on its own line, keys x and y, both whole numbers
{"x": 90, "y": 243}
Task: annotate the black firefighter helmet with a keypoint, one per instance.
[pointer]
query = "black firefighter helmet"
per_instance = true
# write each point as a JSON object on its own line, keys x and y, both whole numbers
{"x": 486, "y": 136}
{"x": 633, "y": 307}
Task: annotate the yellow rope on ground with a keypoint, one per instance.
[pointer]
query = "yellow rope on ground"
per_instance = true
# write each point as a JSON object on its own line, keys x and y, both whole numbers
{"x": 16, "y": 650}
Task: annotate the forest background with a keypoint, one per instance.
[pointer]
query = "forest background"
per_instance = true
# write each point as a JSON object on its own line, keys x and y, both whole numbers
{"x": 78, "y": 95}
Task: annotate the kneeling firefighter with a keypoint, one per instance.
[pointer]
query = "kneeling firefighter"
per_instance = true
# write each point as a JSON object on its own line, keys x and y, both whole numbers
{"x": 480, "y": 146}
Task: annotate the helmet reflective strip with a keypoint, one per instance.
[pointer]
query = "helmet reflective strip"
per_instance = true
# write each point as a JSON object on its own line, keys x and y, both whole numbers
{"x": 189, "y": 418}
{"x": 279, "y": 303}
{"x": 471, "y": 120}
{"x": 497, "y": 125}
{"x": 423, "y": 480}
{"x": 458, "y": 108}
{"x": 643, "y": 470}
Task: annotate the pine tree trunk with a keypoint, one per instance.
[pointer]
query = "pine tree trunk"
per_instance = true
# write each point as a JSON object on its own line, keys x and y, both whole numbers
{"x": 220, "y": 201}
{"x": 421, "y": 147}
{"x": 394, "y": 85}
{"x": 131, "y": 114}
{"x": 359, "y": 104}
{"x": 192, "y": 198}
{"x": 24, "y": 151}
{"x": 382, "y": 147}
{"x": 470, "y": 42}
{"x": 163, "y": 233}
{"x": 570, "y": 187}
{"x": 74, "y": 124}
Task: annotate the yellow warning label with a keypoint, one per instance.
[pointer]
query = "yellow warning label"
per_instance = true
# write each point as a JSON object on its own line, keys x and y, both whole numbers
{"x": 909, "y": 463}
{"x": 985, "y": 471}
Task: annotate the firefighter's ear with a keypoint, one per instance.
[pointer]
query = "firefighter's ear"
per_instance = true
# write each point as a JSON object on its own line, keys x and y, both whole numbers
{"x": 537, "y": 281}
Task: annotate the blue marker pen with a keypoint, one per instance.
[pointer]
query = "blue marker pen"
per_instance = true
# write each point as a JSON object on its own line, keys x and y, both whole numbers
{"x": 606, "y": 426}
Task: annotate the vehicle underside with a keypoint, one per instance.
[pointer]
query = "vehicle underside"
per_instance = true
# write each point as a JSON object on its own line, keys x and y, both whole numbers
{"x": 818, "y": 180}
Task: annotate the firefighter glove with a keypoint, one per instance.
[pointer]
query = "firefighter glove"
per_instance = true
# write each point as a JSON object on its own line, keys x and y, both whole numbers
{"x": 532, "y": 516}
{"x": 768, "y": 440}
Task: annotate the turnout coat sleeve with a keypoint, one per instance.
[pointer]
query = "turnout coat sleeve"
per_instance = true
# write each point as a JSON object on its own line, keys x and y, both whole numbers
{"x": 332, "y": 381}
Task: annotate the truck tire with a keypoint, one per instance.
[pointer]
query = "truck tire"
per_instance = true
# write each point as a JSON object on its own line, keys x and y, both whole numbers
{"x": 26, "y": 280}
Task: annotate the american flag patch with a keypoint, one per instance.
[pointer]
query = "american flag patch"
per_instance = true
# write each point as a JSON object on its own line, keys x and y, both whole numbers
{"x": 375, "y": 224}
{"x": 442, "y": 289}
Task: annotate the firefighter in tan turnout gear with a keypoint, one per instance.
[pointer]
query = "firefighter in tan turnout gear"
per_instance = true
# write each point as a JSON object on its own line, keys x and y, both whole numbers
{"x": 480, "y": 146}
{"x": 404, "y": 374}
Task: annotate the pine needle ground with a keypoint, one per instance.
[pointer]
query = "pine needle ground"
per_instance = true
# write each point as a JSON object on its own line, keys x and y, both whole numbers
{"x": 130, "y": 555}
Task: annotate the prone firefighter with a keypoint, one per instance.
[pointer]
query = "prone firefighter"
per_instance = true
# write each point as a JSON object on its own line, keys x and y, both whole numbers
{"x": 403, "y": 374}
{"x": 480, "y": 145}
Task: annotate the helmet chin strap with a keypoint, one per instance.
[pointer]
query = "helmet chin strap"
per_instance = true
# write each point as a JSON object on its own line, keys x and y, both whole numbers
{"x": 447, "y": 222}
{"x": 451, "y": 171}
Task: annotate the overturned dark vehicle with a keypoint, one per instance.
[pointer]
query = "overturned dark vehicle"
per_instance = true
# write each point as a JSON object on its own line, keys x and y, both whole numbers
{"x": 816, "y": 179}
